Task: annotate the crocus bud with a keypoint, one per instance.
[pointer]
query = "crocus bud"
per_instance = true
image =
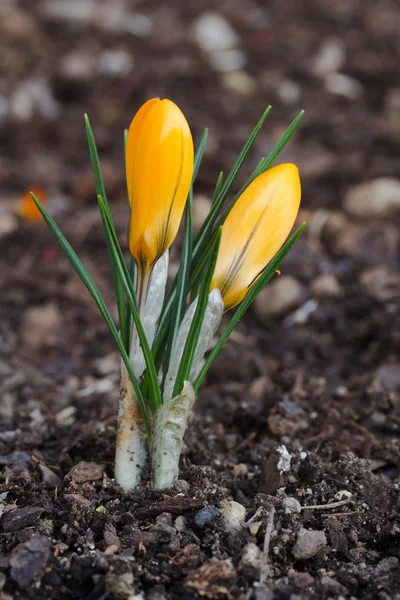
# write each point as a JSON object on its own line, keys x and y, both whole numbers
{"x": 254, "y": 231}
{"x": 159, "y": 168}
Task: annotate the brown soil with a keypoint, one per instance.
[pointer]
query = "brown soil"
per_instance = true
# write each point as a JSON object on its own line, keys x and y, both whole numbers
{"x": 327, "y": 388}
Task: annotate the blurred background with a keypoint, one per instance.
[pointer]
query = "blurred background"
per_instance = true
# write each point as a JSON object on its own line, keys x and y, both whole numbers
{"x": 222, "y": 63}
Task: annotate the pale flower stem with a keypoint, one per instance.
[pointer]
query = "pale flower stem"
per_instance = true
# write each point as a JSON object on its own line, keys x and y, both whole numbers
{"x": 131, "y": 445}
{"x": 142, "y": 286}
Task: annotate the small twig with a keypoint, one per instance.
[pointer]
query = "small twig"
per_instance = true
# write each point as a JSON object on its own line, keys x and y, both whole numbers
{"x": 344, "y": 514}
{"x": 246, "y": 441}
{"x": 325, "y": 506}
{"x": 267, "y": 539}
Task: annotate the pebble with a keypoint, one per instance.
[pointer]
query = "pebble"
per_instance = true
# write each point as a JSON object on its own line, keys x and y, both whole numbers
{"x": 343, "y": 85}
{"x": 330, "y": 57}
{"x": 233, "y": 516}
{"x": 30, "y": 559}
{"x": 291, "y": 506}
{"x": 115, "y": 63}
{"x": 333, "y": 587}
{"x": 139, "y": 25}
{"x": 39, "y": 324}
{"x": 75, "y": 11}
{"x": 251, "y": 557}
{"x": 206, "y": 515}
{"x": 289, "y": 92}
{"x": 382, "y": 283}
{"x": 78, "y": 65}
{"x": 220, "y": 42}
{"x": 389, "y": 377}
{"x": 309, "y": 544}
{"x": 278, "y": 298}
{"x": 8, "y": 223}
{"x": 325, "y": 286}
{"x": 391, "y": 563}
{"x": 378, "y": 198}
{"x": 180, "y": 524}
{"x": 85, "y": 471}
{"x": 239, "y": 82}
{"x": 33, "y": 96}
{"x": 19, "y": 518}
{"x": 213, "y": 33}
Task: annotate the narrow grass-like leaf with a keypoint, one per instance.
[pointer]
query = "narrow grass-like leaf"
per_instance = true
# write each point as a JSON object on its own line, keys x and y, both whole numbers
{"x": 248, "y": 299}
{"x": 194, "y": 331}
{"x": 263, "y": 165}
{"x": 182, "y": 285}
{"x": 208, "y": 226}
{"x": 100, "y": 190}
{"x": 199, "y": 154}
{"x": 217, "y": 189}
{"x": 82, "y": 272}
{"x": 155, "y": 395}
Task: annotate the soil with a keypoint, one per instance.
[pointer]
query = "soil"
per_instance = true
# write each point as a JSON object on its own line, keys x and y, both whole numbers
{"x": 298, "y": 421}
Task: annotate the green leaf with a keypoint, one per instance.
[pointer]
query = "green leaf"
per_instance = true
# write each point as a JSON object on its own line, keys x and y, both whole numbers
{"x": 247, "y": 300}
{"x": 100, "y": 190}
{"x": 155, "y": 395}
{"x": 217, "y": 190}
{"x": 208, "y": 226}
{"x": 82, "y": 272}
{"x": 198, "y": 317}
{"x": 199, "y": 154}
{"x": 263, "y": 165}
{"x": 182, "y": 285}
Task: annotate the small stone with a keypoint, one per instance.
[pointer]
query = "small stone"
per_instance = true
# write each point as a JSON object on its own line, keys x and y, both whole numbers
{"x": 239, "y": 82}
{"x": 85, "y": 471}
{"x": 333, "y": 587}
{"x": 219, "y": 42}
{"x": 301, "y": 580}
{"x": 19, "y": 518}
{"x": 206, "y": 515}
{"x": 39, "y": 324}
{"x": 228, "y": 60}
{"x": 378, "y": 198}
{"x": 115, "y": 63}
{"x": 325, "y": 286}
{"x": 330, "y": 57}
{"x": 33, "y": 96}
{"x": 342, "y": 495}
{"x": 240, "y": 470}
{"x": 382, "y": 283}
{"x": 82, "y": 12}
{"x": 8, "y": 223}
{"x": 343, "y": 85}
{"x": 309, "y": 544}
{"x": 251, "y": 558}
{"x": 291, "y": 506}
{"x": 78, "y": 65}
{"x": 214, "y": 34}
{"x": 233, "y": 516}
{"x": 255, "y": 528}
{"x": 389, "y": 377}
{"x": 28, "y": 562}
{"x": 278, "y": 298}
{"x": 180, "y": 524}
{"x": 391, "y": 563}
{"x": 289, "y": 92}
{"x": 49, "y": 476}
{"x": 139, "y": 25}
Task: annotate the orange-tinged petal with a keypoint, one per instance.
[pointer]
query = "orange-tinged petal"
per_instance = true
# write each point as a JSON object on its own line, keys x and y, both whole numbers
{"x": 27, "y": 208}
{"x": 132, "y": 140}
{"x": 255, "y": 230}
{"x": 162, "y": 173}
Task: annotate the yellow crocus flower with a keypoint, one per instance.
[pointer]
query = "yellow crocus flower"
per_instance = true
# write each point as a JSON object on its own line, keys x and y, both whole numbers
{"x": 159, "y": 168}
{"x": 254, "y": 231}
